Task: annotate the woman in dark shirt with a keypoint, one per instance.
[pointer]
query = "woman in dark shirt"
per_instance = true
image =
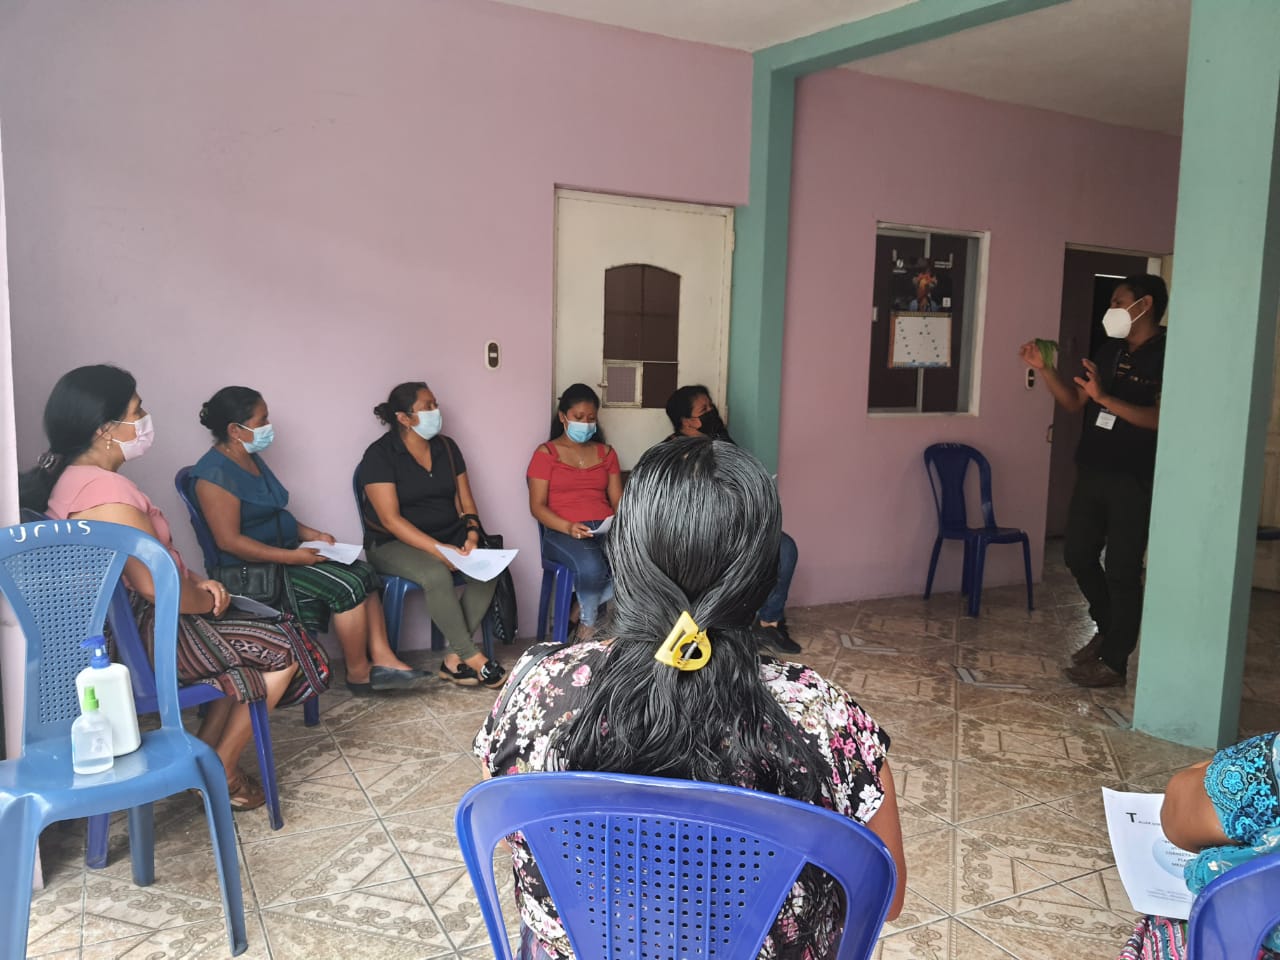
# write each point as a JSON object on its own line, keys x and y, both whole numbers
{"x": 417, "y": 499}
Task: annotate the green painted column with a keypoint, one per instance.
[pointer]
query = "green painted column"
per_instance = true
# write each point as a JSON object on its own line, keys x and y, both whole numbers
{"x": 1217, "y": 383}
{"x": 763, "y": 226}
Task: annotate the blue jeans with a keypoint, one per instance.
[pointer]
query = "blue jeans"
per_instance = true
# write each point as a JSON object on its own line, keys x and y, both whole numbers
{"x": 775, "y": 603}
{"x": 592, "y": 578}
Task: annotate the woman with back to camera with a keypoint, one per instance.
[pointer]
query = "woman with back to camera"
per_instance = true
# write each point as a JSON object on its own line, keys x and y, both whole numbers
{"x": 245, "y": 507}
{"x": 416, "y": 500}
{"x": 574, "y": 485}
{"x": 95, "y": 423}
{"x": 696, "y": 533}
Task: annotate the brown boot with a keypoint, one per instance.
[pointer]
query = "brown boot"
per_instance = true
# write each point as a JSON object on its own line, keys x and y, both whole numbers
{"x": 1094, "y": 674}
{"x": 1089, "y": 651}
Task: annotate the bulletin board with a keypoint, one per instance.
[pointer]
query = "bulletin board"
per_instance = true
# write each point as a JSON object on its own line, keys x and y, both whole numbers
{"x": 920, "y": 340}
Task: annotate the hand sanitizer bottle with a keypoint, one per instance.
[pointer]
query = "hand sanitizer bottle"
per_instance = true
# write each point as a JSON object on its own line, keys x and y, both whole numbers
{"x": 91, "y": 737}
{"x": 115, "y": 695}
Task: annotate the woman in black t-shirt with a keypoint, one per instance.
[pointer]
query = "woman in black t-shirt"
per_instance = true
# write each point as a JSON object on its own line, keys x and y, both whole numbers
{"x": 417, "y": 499}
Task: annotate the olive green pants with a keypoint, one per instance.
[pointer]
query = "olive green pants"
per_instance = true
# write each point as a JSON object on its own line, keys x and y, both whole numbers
{"x": 457, "y": 617}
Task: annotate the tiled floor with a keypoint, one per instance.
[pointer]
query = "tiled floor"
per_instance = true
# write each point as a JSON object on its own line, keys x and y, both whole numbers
{"x": 998, "y": 763}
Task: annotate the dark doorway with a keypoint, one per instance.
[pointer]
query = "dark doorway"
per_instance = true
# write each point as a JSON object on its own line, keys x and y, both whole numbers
{"x": 1088, "y": 278}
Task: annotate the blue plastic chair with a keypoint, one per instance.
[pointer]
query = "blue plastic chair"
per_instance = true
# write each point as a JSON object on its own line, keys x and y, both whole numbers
{"x": 396, "y": 589}
{"x": 186, "y": 488}
{"x": 947, "y": 465}
{"x": 557, "y": 581}
{"x": 1233, "y": 914}
{"x": 59, "y": 577}
{"x": 643, "y": 867}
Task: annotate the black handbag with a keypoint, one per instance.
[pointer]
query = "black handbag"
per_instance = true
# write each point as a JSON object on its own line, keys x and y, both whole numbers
{"x": 265, "y": 582}
{"x": 503, "y": 615}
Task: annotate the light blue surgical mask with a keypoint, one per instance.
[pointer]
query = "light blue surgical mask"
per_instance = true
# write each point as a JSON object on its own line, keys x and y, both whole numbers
{"x": 580, "y": 432}
{"x": 429, "y": 423}
{"x": 262, "y": 437}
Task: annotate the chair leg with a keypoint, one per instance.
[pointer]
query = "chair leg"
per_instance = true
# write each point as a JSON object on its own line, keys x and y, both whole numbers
{"x": 564, "y": 602}
{"x": 266, "y": 761}
{"x": 311, "y": 711}
{"x": 933, "y": 567}
{"x": 437, "y": 638}
{"x": 486, "y": 636}
{"x": 979, "y": 562}
{"x": 1026, "y": 562}
{"x": 142, "y": 843}
{"x": 222, "y": 832}
{"x": 393, "y": 612}
{"x": 20, "y": 827}
{"x": 544, "y": 601}
{"x": 98, "y": 840}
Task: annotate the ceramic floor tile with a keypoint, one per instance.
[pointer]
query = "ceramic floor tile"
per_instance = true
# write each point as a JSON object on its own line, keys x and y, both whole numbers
{"x": 959, "y": 872}
{"x": 189, "y": 875}
{"x": 114, "y": 908}
{"x": 878, "y": 682}
{"x": 299, "y": 938}
{"x": 56, "y": 955}
{"x": 369, "y": 746}
{"x": 323, "y": 863}
{"x": 426, "y": 839}
{"x": 1051, "y": 923}
{"x": 916, "y": 912}
{"x": 1104, "y": 889}
{"x": 309, "y": 805}
{"x": 932, "y": 739}
{"x": 198, "y": 941}
{"x": 1035, "y": 745}
{"x": 955, "y": 792}
{"x": 1140, "y": 755}
{"x": 387, "y": 708}
{"x": 301, "y": 758}
{"x": 394, "y": 911}
{"x": 454, "y": 901}
{"x": 57, "y": 915}
{"x": 915, "y": 820}
{"x": 1085, "y": 807}
{"x": 942, "y": 940}
{"x": 405, "y": 787}
{"x": 1051, "y": 842}
{"x": 1046, "y": 784}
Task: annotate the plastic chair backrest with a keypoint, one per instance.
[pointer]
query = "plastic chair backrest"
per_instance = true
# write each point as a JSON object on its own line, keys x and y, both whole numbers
{"x": 950, "y": 463}
{"x": 59, "y": 577}
{"x": 359, "y": 495}
{"x": 1233, "y": 914}
{"x": 186, "y": 488}
{"x": 643, "y": 867}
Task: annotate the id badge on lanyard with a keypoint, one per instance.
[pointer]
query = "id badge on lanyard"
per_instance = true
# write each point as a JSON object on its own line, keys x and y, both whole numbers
{"x": 1106, "y": 419}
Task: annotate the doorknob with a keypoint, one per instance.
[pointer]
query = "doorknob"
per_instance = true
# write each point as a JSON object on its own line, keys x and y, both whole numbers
{"x": 1048, "y": 434}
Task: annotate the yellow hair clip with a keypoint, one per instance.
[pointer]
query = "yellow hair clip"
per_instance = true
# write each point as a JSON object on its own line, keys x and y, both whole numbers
{"x": 687, "y": 646}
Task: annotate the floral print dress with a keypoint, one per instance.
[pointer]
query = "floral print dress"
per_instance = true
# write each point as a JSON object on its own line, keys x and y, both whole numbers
{"x": 518, "y": 739}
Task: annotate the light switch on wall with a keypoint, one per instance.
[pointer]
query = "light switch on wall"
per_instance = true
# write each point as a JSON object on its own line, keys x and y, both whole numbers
{"x": 1031, "y": 378}
{"x": 492, "y": 357}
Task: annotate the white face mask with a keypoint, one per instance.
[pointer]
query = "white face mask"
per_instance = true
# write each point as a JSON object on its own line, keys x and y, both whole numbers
{"x": 1117, "y": 322}
{"x": 144, "y": 436}
{"x": 429, "y": 423}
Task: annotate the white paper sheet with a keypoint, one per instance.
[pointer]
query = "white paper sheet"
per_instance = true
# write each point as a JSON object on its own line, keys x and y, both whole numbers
{"x": 604, "y": 526}
{"x": 256, "y": 607}
{"x": 481, "y": 564}
{"x": 341, "y": 552}
{"x": 1150, "y": 866}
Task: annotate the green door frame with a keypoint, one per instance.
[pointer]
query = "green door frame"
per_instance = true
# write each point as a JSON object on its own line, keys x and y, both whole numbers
{"x": 763, "y": 226}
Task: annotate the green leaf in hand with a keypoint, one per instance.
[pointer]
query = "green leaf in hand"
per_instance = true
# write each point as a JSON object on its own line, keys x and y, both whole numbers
{"x": 1048, "y": 351}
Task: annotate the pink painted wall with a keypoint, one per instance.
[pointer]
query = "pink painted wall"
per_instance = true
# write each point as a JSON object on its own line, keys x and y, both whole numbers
{"x": 320, "y": 199}
{"x": 854, "y": 486}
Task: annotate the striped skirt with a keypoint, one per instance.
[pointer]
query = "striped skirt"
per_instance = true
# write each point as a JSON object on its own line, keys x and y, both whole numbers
{"x": 233, "y": 653}
{"x": 328, "y": 588}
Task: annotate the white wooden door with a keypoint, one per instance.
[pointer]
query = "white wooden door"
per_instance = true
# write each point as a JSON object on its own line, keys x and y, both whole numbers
{"x": 673, "y": 245}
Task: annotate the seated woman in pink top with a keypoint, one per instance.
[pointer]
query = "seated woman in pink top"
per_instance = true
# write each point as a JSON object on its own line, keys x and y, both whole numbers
{"x": 95, "y": 423}
{"x": 574, "y": 486}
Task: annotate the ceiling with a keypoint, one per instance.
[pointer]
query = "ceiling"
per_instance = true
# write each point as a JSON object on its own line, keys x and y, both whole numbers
{"x": 1118, "y": 61}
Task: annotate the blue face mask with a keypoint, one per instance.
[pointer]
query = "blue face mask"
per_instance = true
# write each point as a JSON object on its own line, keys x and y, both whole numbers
{"x": 579, "y": 432}
{"x": 262, "y": 437}
{"x": 429, "y": 423}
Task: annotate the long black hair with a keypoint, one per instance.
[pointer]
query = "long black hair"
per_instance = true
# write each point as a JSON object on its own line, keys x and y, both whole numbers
{"x": 576, "y": 393}
{"x": 697, "y": 530}
{"x": 229, "y": 405}
{"x": 80, "y": 404}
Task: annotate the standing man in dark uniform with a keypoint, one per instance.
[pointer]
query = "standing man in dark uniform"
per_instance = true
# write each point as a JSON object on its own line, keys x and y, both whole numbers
{"x": 1111, "y": 504}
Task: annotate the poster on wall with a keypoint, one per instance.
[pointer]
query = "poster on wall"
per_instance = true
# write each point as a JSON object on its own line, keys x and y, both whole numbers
{"x": 920, "y": 340}
{"x": 921, "y": 311}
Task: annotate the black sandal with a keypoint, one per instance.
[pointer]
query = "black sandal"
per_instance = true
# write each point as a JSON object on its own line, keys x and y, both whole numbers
{"x": 464, "y": 676}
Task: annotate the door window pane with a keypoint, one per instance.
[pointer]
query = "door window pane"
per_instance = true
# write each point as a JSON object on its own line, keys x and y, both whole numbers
{"x": 641, "y": 327}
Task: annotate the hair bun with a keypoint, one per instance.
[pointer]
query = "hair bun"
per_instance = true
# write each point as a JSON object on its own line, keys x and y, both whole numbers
{"x": 204, "y": 414}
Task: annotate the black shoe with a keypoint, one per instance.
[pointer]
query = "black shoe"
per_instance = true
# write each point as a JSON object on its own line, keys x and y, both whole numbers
{"x": 464, "y": 676}
{"x": 1089, "y": 652}
{"x": 492, "y": 675}
{"x": 360, "y": 689}
{"x": 389, "y": 678}
{"x": 776, "y": 637}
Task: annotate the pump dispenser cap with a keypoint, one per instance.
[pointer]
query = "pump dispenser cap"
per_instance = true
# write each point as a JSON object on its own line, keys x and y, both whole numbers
{"x": 90, "y": 700}
{"x": 98, "y": 645}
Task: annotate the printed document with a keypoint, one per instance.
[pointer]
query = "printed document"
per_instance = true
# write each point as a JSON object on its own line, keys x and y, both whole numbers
{"x": 341, "y": 552}
{"x": 1150, "y": 866}
{"x": 605, "y": 524}
{"x": 481, "y": 564}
